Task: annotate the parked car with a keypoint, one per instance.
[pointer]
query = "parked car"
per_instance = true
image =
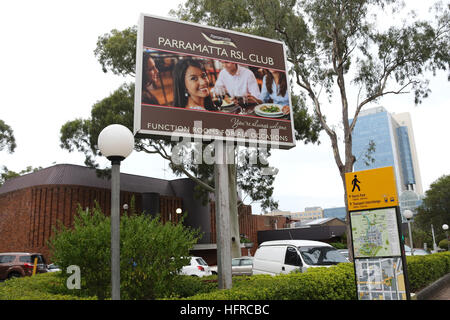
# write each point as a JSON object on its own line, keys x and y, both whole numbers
{"x": 239, "y": 266}
{"x": 242, "y": 266}
{"x": 417, "y": 252}
{"x": 53, "y": 268}
{"x": 344, "y": 252}
{"x": 20, "y": 264}
{"x": 197, "y": 267}
{"x": 285, "y": 256}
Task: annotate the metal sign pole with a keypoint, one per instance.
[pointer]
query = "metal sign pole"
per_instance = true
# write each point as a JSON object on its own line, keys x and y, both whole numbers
{"x": 115, "y": 231}
{"x": 223, "y": 230}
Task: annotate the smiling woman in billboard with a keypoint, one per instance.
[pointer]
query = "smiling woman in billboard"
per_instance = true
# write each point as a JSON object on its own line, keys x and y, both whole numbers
{"x": 191, "y": 86}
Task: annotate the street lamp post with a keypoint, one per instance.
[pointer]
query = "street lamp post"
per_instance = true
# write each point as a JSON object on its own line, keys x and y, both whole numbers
{"x": 445, "y": 227}
{"x": 408, "y": 215}
{"x": 116, "y": 143}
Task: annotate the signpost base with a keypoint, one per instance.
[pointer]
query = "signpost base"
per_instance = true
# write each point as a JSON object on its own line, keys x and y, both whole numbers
{"x": 222, "y": 218}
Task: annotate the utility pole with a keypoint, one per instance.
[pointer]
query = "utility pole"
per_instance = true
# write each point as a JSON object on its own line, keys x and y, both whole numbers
{"x": 222, "y": 216}
{"x": 234, "y": 217}
{"x": 434, "y": 240}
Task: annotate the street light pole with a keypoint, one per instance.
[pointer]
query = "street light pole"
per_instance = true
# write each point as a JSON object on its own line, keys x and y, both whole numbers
{"x": 408, "y": 215}
{"x": 116, "y": 143}
{"x": 445, "y": 227}
{"x": 115, "y": 230}
{"x": 434, "y": 240}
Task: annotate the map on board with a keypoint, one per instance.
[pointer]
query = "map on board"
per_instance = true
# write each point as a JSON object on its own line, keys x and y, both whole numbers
{"x": 375, "y": 233}
{"x": 380, "y": 279}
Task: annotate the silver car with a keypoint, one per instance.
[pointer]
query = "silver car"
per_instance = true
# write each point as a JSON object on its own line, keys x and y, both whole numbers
{"x": 242, "y": 266}
{"x": 239, "y": 266}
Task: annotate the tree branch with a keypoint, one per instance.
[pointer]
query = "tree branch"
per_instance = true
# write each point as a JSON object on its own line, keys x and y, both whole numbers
{"x": 163, "y": 153}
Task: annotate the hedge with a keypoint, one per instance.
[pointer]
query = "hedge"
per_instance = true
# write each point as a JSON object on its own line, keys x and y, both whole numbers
{"x": 334, "y": 283}
{"x": 424, "y": 270}
{"x": 45, "y": 286}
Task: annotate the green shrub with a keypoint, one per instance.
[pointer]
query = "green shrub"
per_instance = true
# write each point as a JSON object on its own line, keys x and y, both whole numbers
{"x": 151, "y": 253}
{"x": 186, "y": 286}
{"x": 339, "y": 245}
{"x": 424, "y": 270}
{"x": 46, "y": 286}
{"x": 335, "y": 283}
{"x": 443, "y": 244}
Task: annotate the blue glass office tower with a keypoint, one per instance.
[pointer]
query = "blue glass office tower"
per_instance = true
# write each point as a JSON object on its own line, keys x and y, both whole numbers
{"x": 393, "y": 138}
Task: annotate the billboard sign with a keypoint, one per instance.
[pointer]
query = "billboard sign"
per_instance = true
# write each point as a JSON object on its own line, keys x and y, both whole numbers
{"x": 202, "y": 82}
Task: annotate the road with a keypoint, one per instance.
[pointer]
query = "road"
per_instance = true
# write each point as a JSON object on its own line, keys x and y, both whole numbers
{"x": 443, "y": 294}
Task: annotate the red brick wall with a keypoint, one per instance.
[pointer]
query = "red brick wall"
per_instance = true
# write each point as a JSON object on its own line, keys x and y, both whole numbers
{"x": 28, "y": 216}
{"x": 249, "y": 225}
{"x": 15, "y": 210}
{"x": 169, "y": 205}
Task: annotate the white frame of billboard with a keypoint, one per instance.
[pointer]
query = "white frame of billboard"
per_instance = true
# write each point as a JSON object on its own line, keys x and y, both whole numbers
{"x": 138, "y": 131}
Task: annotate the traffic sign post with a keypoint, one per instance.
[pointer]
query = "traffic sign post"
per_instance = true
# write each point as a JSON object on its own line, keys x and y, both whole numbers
{"x": 378, "y": 250}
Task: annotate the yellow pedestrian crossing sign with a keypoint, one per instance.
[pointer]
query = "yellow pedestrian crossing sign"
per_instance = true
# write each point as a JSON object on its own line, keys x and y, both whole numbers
{"x": 368, "y": 189}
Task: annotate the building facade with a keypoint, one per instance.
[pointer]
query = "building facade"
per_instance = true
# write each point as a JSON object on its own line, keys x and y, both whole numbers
{"x": 310, "y": 213}
{"x": 393, "y": 138}
{"x": 338, "y": 212}
{"x": 33, "y": 204}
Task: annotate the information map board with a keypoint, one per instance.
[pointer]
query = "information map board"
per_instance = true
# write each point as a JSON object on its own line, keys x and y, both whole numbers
{"x": 379, "y": 259}
{"x": 375, "y": 233}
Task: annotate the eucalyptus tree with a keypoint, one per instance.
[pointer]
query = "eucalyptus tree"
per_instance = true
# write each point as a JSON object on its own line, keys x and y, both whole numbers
{"x": 7, "y": 139}
{"x": 115, "y": 52}
{"x": 334, "y": 46}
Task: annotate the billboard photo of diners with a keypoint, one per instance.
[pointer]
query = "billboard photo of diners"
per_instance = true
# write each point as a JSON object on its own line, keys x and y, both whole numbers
{"x": 235, "y": 85}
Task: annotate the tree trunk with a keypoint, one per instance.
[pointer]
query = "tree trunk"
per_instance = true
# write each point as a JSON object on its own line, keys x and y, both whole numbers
{"x": 348, "y": 228}
{"x": 234, "y": 217}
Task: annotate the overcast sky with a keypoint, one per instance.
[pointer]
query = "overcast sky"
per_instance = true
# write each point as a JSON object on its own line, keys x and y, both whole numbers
{"x": 49, "y": 75}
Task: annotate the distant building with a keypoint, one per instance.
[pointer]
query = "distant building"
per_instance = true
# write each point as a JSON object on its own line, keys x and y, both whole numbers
{"x": 323, "y": 229}
{"x": 278, "y": 213}
{"x": 394, "y": 146}
{"x": 339, "y": 212}
{"x": 310, "y": 213}
{"x": 313, "y": 213}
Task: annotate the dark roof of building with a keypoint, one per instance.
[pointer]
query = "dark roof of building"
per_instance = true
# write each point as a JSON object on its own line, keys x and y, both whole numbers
{"x": 317, "y": 232}
{"x": 69, "y": 174}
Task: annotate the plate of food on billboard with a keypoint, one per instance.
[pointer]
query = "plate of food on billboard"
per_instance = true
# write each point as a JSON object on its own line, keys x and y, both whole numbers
{"x": 232, "y": 84}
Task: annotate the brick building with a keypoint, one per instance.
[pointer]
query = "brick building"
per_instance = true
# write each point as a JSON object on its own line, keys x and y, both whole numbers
{"x": 31, "y": 205}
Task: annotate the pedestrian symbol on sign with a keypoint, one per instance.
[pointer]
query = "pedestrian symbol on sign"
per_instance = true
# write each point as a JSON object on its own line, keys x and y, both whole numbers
{"x": 355, "y": 182}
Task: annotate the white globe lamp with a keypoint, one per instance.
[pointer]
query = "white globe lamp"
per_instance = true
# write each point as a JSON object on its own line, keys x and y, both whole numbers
{"x": 116, "y": 142}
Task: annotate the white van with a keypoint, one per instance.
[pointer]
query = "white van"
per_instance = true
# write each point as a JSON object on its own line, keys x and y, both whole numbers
{"x": 284, "y": 256}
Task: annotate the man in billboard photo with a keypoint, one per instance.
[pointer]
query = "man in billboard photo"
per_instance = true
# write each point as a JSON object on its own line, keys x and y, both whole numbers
{"x": 238, "y": 81}
{"x": 191, "y": 86}
{"x": 149, "y": 79}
